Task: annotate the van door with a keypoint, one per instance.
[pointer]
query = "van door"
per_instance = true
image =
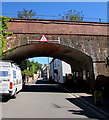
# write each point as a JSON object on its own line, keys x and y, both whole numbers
{"x": 4, "y": 81}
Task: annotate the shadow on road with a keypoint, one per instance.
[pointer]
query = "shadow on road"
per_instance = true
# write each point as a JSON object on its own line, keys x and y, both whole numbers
{"x": 85, "y": 109}
{"x": 44, "y": 81}
{"x": 43, "y": 86}
{"x": 4, "y": 100}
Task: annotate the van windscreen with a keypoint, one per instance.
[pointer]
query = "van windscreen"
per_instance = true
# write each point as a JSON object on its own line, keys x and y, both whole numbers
{"x": 4, "y": 65}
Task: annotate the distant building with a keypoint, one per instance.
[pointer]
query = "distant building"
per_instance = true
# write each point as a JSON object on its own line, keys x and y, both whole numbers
{"x": 45, "y": 71}
{"x": 38, "y": 75}
{"x": 58, "y": 70}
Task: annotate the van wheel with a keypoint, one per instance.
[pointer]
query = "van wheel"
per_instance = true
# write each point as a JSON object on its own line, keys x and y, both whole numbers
{"x": 15, "y": 95}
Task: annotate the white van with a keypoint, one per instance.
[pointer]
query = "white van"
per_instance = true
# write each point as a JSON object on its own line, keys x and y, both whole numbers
{"x": 10, "y": 79}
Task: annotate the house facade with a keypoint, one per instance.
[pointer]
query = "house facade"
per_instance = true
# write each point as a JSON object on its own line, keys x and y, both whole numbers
{"x": 58, "y": 70}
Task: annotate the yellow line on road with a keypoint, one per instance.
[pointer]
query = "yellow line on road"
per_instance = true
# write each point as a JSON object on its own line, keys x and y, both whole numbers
{"x": 91, "y": 109}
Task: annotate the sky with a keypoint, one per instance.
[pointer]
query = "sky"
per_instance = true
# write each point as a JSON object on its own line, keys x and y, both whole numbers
{"x": 92, "y": 10}
{"x": 54, "y": 0}
{"x": 89, "y": 9}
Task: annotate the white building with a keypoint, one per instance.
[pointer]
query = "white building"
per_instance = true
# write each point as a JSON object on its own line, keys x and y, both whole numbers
{"x": 38, "y": 75}
{"x": 45, "y": 71}
{"x": 58, "y": 70}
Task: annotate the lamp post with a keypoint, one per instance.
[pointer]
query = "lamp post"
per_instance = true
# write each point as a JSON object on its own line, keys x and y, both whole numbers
{"x": 48, "y": 69}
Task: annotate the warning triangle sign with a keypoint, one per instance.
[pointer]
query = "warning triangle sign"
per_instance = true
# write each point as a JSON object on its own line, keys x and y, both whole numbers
{"x": 43, "y": 39}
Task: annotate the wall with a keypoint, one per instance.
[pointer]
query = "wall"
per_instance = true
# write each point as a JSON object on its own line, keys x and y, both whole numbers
{"x": 66, "y": 69}
{"x": 88, "y": 37}
{"x": 57, "y": 27}
{"x": 62, "y": 68}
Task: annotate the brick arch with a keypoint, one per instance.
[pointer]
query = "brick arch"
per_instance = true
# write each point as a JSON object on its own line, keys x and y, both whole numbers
{"x": 59, "y": 51}
{"x": 78, "y": 60}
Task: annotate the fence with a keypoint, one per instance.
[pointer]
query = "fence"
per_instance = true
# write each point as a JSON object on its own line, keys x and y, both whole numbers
{"x": 58, "y": 17}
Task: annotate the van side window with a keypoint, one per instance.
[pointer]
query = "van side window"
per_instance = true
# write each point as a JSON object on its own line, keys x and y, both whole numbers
{"x": 14, "y": 74}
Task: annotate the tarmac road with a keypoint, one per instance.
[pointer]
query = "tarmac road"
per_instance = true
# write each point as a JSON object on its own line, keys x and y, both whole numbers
{"x": 46, "y": 100}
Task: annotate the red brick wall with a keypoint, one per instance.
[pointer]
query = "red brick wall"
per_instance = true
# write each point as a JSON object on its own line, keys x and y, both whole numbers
{"x": 57, "y": 27}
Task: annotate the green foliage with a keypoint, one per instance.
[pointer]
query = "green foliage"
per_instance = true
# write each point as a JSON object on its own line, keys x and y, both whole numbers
{"x": 24, "y": 65}
{"x": 3, "y": 34}
{"x": 26, "y": 14}
{"x": 30, "y": 68}
{"x": 38, "y": 66}
{"x": 26, "y": 72}
{"x": 73, "y": 15}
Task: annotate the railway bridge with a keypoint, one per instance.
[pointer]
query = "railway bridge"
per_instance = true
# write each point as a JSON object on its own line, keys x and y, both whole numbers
{"x": 84, "y": 45}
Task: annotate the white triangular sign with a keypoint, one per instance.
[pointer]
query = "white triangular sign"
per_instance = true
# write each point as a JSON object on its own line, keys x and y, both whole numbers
{"x": 43, "y": 39}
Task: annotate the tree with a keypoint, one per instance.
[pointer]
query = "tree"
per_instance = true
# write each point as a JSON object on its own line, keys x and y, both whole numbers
{"x": 24, "y": 65}
{"x": 38, "y": 66}
{"x": 26, "y": 14}
{"x": 73, "y": 15}
{"x": 3, "y": 34}
{"x": 34, "y": 67}
{"x": 30, "y": 68}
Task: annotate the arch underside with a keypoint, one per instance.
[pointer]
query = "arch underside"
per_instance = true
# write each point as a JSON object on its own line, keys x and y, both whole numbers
{"x": 79, "y": 61}
{"x": 70, "y": 55}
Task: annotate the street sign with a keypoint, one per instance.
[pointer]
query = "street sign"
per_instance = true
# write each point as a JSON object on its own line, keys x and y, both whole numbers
{"x": 43, "y": 39}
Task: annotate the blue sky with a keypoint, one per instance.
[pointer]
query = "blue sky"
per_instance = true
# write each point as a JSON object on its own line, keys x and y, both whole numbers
{"x": 89, "y": 9}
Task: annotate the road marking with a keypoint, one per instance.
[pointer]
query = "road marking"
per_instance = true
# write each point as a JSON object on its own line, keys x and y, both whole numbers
{"x": 86, "y": 104}
{"x": 93, "y": 110}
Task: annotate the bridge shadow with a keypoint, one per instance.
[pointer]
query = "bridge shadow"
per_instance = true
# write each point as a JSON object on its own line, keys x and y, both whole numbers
{"x": 43, "y": 86}
{"x": 44, "y": 81}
